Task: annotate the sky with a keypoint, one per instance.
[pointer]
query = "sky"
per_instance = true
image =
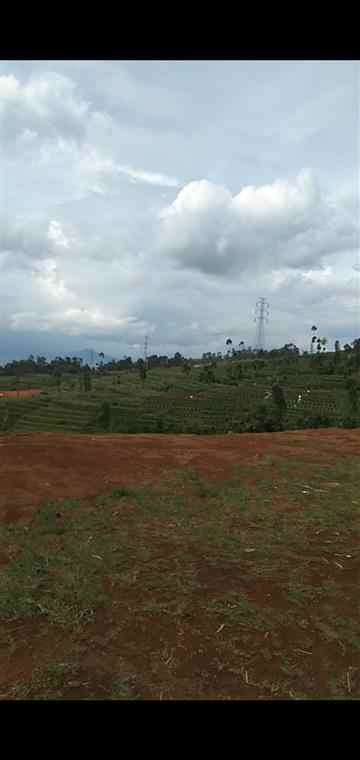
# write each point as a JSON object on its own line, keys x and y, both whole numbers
{"x": 164, "y": 198}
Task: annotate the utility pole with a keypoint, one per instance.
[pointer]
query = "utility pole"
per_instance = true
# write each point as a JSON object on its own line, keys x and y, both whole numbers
{"x": 261, "y": 316}
{"x": 146, "y": 351}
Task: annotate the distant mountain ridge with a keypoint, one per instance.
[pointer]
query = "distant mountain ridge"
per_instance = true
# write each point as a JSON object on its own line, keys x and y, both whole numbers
{"x": 88, "y": 355}
{"x": 91, "y": 357}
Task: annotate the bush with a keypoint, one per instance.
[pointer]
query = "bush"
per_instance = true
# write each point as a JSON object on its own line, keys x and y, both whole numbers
{"x": 104, "y": 418}
{"x": 166, "y": 387}
{"x": 317, "y": 421}
{"x": 350, "y": 422}
{"x": 263, "y": 420}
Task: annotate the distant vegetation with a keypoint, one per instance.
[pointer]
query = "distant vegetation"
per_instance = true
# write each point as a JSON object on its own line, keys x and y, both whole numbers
{"x": 243, "y": 390}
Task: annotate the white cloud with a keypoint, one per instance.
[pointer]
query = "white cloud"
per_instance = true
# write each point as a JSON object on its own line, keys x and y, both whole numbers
{"x": 151, "y": 177}
{"x": 281, "y": 224}
{"x": 101, "y": 238}
{"x": 56, "y": 234}
{"x": 47, "y": 115}
{"x": 51, "y": 284}
{"x": 23, "y": 240}
{"x": 74, "y": 321}
{"x": 46, "y": 105}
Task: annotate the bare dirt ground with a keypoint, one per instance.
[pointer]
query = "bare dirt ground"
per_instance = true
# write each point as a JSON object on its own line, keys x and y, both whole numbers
{"x": 21, "y": 393}
{"x": 164, "y": 575}
{"x": 38, "y": 466}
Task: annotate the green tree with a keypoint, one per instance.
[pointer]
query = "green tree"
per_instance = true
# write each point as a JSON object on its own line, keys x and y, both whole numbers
{"x": 87, "y": 379}
{"x": 352, "y": 395}
{"x": 356, "y": 354}
{"x": 279, "y": 401}
{"x": 228, "y": 343}
{"x": 337, "y": 355}
{"x": 313, "y": 339}
{"x": 207, "y": 375}
{"x": 105, "y": 416}
{"x": 323, "y": 342}
{"x": 58, "y": 378}
{"x": 142, "y": 371}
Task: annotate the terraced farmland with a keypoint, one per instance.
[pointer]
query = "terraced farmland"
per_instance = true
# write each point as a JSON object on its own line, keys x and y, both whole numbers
{"x": 169, "y": 401}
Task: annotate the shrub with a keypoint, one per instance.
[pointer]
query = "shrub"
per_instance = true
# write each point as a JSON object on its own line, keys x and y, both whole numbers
{"x": 350, "y": 422}
{"x": 317, "y": 421}
{"x": 159, "y": 425}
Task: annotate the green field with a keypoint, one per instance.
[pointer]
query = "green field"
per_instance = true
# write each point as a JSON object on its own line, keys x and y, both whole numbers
{"x": 162, "y": 403}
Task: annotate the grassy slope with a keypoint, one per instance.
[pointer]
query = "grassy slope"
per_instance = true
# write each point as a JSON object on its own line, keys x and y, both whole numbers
{"x": 137, "y": 407}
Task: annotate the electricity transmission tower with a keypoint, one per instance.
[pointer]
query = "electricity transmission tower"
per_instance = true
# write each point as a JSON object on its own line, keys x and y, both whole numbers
{"x": 261, "y": 316}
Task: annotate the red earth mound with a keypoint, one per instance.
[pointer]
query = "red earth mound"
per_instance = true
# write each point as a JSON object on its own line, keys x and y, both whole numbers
{"x": 20, "y": 394}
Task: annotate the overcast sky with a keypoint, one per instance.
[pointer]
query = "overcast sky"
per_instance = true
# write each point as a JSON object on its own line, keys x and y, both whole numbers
{"x": 163, "y": 198}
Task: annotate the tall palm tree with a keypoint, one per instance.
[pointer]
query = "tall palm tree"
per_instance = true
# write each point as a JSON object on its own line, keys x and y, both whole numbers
{"x": 313, "y": 330}
{"x": 228, "y": 343}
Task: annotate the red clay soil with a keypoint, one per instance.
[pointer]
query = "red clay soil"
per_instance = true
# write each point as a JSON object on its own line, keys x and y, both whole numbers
{"x": 35, "y": 467}
{"x": 188, "y": 657}
{"x": 21, "y": 394}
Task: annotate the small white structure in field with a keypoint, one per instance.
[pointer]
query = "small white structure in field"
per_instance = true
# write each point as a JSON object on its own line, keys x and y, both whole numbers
{"x": 191, "y": 396}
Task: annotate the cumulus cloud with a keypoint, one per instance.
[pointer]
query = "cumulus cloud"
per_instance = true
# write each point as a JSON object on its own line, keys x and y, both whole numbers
{"x": 103, "y": 236}
{"x": 281, "y": 224}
